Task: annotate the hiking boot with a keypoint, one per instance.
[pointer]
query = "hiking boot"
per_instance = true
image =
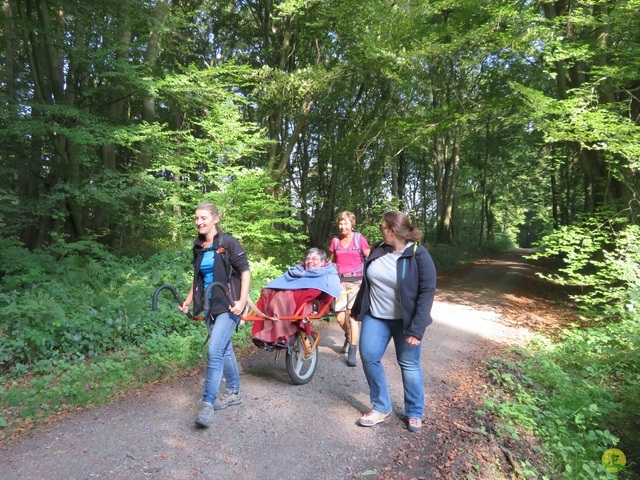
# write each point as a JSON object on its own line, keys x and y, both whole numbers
{"x": 227, "y": 399}
{"x": 205, "y": 415}
{"x": 351, "y": 358}
{"x": 414, "y": 424}
{"x": 372, "y": 418}
{"x": 345, "y": 347}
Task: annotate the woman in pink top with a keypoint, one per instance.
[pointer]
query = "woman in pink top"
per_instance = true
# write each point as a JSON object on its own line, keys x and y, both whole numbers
{"x": 348, "y": 252}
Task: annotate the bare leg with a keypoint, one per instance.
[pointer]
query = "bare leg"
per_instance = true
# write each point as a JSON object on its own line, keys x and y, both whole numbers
{"x": 353, "y": 343}
{"x": 355, "y": 331}
{"x": 341, "y": 319}
{"x": 346, "y": 327}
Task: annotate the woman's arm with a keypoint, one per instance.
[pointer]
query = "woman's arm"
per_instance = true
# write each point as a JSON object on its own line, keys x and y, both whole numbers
{"x": 184, "y": 308}
{"x": 364, "y": 247}
{"x": 245, "y": 282}
{"x": 425, "y": 295}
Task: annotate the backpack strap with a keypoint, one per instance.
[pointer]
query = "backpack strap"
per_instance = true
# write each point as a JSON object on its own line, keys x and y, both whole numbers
{"x": 335, "y": 243}
{"x": 223, "y": 246}
{"x": 356, "y": 240}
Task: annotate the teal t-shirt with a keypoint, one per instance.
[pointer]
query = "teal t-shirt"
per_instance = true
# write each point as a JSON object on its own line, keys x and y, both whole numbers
{"x": 206, "y": 267}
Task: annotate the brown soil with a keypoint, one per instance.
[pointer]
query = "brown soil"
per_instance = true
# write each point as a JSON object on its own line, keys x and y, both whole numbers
{"x": 310, "y": 431}
{"x": 506, "y": 294}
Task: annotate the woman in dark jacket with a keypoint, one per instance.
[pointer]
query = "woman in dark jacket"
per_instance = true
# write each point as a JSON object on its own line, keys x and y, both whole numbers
{"x": 218, "y": 257}
{"x": 395, "y": 301}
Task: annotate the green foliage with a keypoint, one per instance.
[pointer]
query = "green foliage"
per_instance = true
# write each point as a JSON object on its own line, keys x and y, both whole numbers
{"x": 76, "y": 301}
{"x": 500, "y": 244}
{"x": 579, "y": 396}
{"x": 602, "y": 257}
{"x": 262, "y": 272}
{"x": 264, "y": 223}
{"x": 58, "y": 384}
{"x": 585, "y": 121}
{"x": 213, "y": 133}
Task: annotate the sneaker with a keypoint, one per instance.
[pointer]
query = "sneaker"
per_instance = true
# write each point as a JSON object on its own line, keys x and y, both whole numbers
{"x": 205, "y": 415}
{"x": 372, "y": 418}
{"x": 414, "y": 424}
{"x": 227, "y": 399}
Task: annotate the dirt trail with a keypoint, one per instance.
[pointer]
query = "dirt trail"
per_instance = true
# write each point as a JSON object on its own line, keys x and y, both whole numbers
{"x": 310, "y": 432}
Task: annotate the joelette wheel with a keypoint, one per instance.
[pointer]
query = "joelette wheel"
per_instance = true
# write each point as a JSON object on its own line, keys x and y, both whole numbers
{"x": 302, "y": 365}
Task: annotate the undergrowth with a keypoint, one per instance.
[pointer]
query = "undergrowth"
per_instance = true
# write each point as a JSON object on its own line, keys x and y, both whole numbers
{"x": 77, "y": 328}
{"x": 579, "y": 397}
{"x": 579, "y": 394}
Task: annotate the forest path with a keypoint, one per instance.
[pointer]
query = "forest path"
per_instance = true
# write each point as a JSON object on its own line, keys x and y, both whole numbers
{"x": 284, "y": 431}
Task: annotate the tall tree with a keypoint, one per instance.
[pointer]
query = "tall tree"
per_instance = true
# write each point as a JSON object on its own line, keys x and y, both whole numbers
{"x": 589, "y": 50}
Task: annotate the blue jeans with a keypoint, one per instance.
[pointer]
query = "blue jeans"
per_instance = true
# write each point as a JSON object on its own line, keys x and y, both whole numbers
{"x": 375, "y": 335}
{"x": 221, "y": 358}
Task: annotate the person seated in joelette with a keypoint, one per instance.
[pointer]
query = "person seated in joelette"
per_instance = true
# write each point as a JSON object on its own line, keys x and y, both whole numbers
{"x": 291, "y": 294}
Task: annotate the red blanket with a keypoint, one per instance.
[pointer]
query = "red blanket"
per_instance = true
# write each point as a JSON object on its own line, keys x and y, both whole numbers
{"x": 278, "y": 303}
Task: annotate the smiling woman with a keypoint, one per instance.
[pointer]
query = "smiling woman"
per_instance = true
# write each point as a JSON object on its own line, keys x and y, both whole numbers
{"x": 398, "y": 288}
{"x": 348, "y": 251}
{"x": 216, "y": 255}
{"x": 315, "y": 259}
{"x": 291, "y": 294}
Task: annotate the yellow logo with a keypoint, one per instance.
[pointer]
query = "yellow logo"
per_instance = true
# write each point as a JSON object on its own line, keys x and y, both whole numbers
{"x": 614, "y": 460}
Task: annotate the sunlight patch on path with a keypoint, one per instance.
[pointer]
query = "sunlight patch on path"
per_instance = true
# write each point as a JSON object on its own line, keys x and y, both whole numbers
{"x": 482, "y": 323}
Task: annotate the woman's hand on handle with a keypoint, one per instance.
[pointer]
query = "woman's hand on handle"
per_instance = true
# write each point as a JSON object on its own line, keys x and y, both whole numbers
{"x": 238, "y": 308}
{"x": 184, "y": 308}
{"x": 245, "y": 280}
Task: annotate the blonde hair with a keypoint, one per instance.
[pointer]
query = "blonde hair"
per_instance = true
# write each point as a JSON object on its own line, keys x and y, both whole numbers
{"x": 209, "y": 207}
{"x": 347, "y": 216}
{"x": 402, "y": 226}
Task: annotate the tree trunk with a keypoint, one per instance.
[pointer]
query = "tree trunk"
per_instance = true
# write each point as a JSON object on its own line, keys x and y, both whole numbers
{"x": 150, "y": 58}
{"x": 446, "y": 161}
{"x": 115, "y": 108}
{"x": 605, "y": 183}
{"x": 48, "y": 64}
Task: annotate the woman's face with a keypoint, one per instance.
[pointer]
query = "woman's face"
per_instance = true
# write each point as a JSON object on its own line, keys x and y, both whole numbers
{"x": 313, "y": 262}
{"x": 345, "y": 226}
{"x": 205, "y": 222}
{"x": 387, "y": 232}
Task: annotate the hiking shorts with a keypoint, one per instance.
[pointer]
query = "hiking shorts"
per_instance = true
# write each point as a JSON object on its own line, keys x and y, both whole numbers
{"x": 348, "y": 292}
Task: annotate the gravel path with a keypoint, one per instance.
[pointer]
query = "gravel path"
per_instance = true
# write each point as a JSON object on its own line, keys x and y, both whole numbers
{"x": 285, "y": 431}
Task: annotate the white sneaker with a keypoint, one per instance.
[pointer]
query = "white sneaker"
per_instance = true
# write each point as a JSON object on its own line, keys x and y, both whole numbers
{"x": 373, "y": 418}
